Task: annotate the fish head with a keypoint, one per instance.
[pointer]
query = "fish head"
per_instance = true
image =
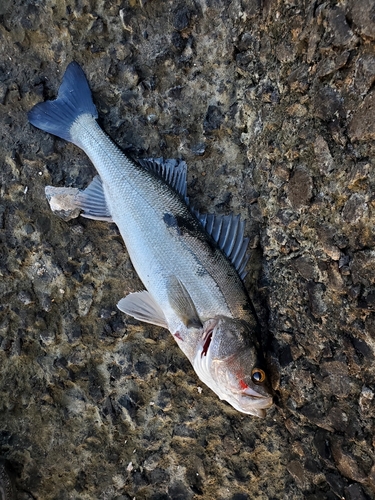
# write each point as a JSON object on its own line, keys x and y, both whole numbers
{"x": 228, "y": 360}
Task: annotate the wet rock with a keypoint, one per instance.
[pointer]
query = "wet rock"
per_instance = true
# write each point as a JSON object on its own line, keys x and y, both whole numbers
{"x": 7, "y": 488}
{"x": 345, "y": 461}
{"x": 300, "y": 187}
{"x": 337, "y": 484}
{"x": 247, "y": 41}
{"x": 362, "y": 15}
{"x": 240, "y": 496}
{"x": 306, "y": 267}
{"x": 84, "y": 298}
{"x": 336, "y": 281}
{"x": 213, "y": 120}
{"x": 182, "y": 16}
{"x": 342, "y": 35}
{"x": 366, "y": 400}
{"x": 315, "y": 415}
{"x": 296, "y": 470}
{"x": 299, "y": 78}
{"x": 179, "y": 491}
{"x": 355, "y": 209}
{"x": 335, "y": 379}
{"x": 362, "y": 125}
{"x": 327, "y": 235}
{"x": 327, "y": 103}
{"x": 364, "y": 73}
{"x": 322, "y": 445}
{"x": 342, "y": 420}
{"x": 25, "y": 297}
{"x": 359, "y": 176}
{"x": 363, "y": 267}
{"x": 199, "y": 149}
{"x": 316, "y": 298}
{"x": 354, "y": 492}
{"x": 285, "y": 52}
{"x": 329, "y": 66}
{"x": 323, "y": 155}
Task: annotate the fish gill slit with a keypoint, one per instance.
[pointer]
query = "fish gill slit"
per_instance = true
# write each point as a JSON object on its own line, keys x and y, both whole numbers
{"x": 207, "y": 341}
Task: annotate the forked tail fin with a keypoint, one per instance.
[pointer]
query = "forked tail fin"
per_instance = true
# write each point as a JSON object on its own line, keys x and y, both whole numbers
{"x": 73, "y": 100}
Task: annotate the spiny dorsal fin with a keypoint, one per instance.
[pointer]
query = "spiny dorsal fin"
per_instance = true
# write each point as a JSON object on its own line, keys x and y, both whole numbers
{"x": 172, "y": 171}
{"x": 228, "y": 233}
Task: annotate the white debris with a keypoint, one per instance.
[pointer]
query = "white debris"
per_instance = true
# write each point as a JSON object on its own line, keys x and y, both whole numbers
{"x": 62, "y": 201}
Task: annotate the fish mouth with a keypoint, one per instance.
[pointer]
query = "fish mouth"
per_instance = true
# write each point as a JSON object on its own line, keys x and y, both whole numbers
{"x": 253, "y": 394}
{"x": 258, "y": 400}
{"x": 253, "y": 404}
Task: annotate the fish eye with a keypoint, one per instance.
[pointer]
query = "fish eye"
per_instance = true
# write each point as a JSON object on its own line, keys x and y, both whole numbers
{"x": 258, "y": 376}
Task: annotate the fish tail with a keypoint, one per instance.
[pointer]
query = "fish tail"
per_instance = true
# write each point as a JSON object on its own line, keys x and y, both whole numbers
{"x": 73, "y": 100}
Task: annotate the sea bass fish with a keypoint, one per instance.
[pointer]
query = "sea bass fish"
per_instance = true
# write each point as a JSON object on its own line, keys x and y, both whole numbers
{"x": 190, "y": 264}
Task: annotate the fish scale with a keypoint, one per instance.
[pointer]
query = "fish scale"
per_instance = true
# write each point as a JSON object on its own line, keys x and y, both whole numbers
{"x": 141, "y": 224}
{"x": 189, "y": 263}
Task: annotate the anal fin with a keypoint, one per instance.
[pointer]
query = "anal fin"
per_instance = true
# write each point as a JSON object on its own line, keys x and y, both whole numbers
{"x": 142, "y": 306}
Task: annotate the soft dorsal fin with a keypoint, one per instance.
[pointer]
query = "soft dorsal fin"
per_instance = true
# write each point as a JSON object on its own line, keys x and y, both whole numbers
{"x": 142, "y": 306}
{"x": 172, "y": 171}
{"x": 228, "y": 233}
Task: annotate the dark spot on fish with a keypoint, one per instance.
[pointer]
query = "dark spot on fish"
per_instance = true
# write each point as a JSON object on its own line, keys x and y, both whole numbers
{"x": 182, "y": 225}
{"x": 171, "y": 221}
{"x": 186, "y": 225}
{"x": 201, "y": 271}
{"x": 191, "y": 227}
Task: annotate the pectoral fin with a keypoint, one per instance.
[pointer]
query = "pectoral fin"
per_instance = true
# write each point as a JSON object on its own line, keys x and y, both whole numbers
{"x": 92, "y": 201}
{"x": 183, "y": 304}
{"x": 142, "y": 306}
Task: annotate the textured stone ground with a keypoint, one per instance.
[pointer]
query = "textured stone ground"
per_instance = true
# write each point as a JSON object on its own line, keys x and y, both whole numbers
{"x": 272, "y": 105}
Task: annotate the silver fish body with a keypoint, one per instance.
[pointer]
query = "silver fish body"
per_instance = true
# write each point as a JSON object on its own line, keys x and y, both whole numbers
{"x": 192, "y": 288}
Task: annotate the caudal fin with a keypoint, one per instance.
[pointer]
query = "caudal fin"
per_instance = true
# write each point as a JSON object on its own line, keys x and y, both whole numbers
{"x": 73, "y": 100}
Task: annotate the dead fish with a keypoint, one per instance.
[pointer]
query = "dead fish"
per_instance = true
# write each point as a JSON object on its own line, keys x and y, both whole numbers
{"x": 190, "y": 264}
{"x": 7, "y": 491}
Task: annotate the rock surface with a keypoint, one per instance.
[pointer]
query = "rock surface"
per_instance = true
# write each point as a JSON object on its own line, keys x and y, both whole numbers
{"x": 272, "y": 106}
